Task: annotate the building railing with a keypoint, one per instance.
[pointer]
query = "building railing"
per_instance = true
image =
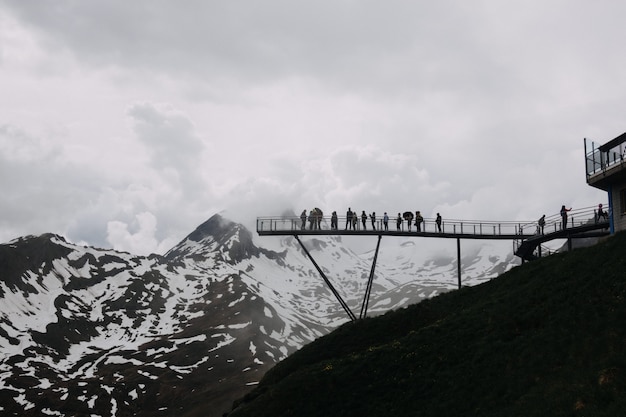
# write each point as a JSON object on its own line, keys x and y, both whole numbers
{"x": 599, "y": 160}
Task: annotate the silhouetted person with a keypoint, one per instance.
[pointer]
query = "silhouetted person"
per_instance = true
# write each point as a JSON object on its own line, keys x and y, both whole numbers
{"x": 602, "y": 214}
{"x": 541, "y": 223}
{"x": 303, "y": 218}
{"x": 364, "y": 220}
{"x": 438, "y": 222}
{"x": 564, "y": 216}
{"x": 312, "y": 220}
{"x": 408, "y": 216}
{"x": 386, "y": 221}
{"x": 373, "y": 219}
{"x": 349, "y": 215}
{"x": 333, "y": 221}
{"x": 319, "y": 215}
{"x": 399, "y": 222}
{"x": 418, "y": 221}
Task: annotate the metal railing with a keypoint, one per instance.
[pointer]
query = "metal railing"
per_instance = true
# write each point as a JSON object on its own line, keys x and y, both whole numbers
{"x": 597, "y": 161}
{"x": 576, "y": 217}
{"x": 429, "y": 225}
{"x": 521, "y": 229}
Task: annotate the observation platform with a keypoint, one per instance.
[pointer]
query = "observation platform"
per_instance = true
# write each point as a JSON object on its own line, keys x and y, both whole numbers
{"x": 526, "y": 236}
{"x": 579, "y": 221}
{"x": 466, "y": 229}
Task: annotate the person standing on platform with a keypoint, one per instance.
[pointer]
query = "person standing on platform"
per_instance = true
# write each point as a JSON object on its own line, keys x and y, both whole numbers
{"x": 355, "y": 220}
{"x": 564, "y": 216}
{"x": 319, "y": 215}
{"x": 373, "y": 218}
{"x": 333, "y": 221}
{"x": 364, "y": 220}
{"x": 399, "y": 222}
{"x": 303, "y": 218}
{"x": 602, "y": 214}
{"x": 438, "y": 222}
{"x": 386, "y": 222}
{"x": 418, "y": 221}
{"x": 541, "y": 224}
{"x": 408, "y": 216}
{"x": 349, "y": 215}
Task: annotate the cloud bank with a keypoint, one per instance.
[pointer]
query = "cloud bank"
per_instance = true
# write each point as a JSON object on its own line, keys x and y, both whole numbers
{"x": 127, "y": 125}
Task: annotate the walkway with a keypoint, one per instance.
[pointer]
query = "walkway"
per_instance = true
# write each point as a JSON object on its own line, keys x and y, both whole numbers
{"x": 454, "y": 229}
{"x": 467, "y": 229}
{"x": 527, "y": 236}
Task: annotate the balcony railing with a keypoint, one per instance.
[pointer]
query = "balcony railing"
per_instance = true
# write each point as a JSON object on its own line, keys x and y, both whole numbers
{"x": 599, "y": 159}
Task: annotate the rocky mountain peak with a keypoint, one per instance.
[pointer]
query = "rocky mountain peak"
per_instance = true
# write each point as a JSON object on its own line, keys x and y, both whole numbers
{"x": 220, "y": 239}
{"x": 216, "y": 227}
{"x": 21, "y": 255}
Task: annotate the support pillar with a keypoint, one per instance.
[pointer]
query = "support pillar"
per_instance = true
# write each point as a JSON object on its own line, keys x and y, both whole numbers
{"x": 611, "y": 211}
{"x": 458, "y": 257}
{"x": 368, "y": 290}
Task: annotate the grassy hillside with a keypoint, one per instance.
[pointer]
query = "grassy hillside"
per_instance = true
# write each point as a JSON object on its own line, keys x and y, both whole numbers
{"x": 547, "y": 338}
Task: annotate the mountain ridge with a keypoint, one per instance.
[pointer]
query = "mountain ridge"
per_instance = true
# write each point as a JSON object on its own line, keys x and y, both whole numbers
{"x": 86, "y": 330}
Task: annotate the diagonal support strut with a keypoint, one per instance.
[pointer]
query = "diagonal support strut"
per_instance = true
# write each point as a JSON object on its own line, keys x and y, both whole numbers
{"x": 334, "y": 291}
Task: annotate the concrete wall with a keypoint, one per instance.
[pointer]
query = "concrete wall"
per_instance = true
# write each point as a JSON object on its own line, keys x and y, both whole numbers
{"x": 618, "y": 191}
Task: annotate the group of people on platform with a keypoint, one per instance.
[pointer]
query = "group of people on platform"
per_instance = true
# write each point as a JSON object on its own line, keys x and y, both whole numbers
{"x": 315, "y": 216}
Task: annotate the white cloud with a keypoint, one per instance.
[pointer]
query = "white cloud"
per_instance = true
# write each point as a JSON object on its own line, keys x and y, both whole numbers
{"x": 135, "y": 238}
{"x": 114, "y": 112}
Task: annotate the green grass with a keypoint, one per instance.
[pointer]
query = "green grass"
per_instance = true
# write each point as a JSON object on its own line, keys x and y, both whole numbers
{"x": 547, "y": 338}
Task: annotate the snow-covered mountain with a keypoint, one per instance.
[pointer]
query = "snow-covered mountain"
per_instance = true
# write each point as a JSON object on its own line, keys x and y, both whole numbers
{"x": 87, "y": 331}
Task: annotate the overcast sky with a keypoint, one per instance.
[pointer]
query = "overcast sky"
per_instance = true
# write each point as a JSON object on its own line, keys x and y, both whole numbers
{"x": 126, "y": 124}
